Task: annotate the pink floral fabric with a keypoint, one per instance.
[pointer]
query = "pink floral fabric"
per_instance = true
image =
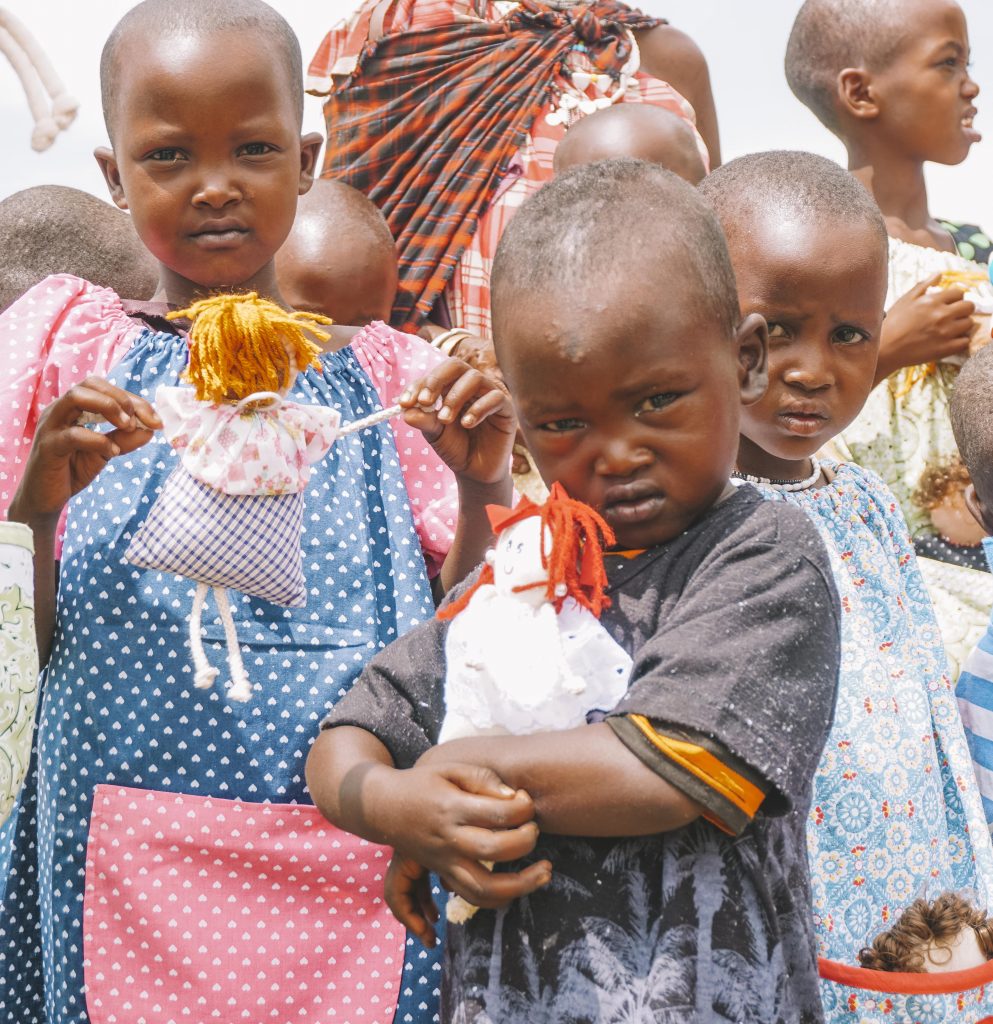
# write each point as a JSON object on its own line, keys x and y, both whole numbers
{"x": 246, "y": 451}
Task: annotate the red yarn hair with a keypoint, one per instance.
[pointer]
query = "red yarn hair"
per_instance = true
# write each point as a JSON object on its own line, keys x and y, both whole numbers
{"x": 578, "y": 535}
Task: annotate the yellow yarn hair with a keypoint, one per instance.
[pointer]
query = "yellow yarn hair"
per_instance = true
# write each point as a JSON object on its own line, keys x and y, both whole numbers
{"x": 240, "y": 344}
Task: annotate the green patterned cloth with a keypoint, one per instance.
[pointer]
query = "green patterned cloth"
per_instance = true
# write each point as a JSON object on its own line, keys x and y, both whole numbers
{"x": 19, "y": 660}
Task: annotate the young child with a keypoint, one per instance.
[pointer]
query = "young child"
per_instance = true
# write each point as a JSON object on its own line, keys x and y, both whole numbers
{"x": 897, "y": 100}
{"x": 167, "y": 862}
{"x": 895, "y": 808}
{"x": 972, "y": 422}
{"x": 340, "y": 259}
{"x": 51, "y": 229}
{"x": 639, "y": 131}
{"x": 656, "y": 859}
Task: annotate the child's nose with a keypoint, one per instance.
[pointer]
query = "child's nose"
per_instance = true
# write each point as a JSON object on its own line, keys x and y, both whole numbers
{"x": 970, "y": 87}
{"x": 216, "y": 190}
{"x": 811, "y": 376}
{"x": 622, "y": 457}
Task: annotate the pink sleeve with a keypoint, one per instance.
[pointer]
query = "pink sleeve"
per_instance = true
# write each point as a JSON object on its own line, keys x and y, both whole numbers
{"x": 50, "y": 339}
{"x": 392, "y": 360}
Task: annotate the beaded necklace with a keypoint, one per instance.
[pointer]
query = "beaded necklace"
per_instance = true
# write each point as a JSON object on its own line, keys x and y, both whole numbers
{"x": 785, "y": 485}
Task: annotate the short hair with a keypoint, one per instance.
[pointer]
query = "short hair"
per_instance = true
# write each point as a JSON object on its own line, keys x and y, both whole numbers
{"x": 158, "y": 18}
{"x": 51, "y": 229}
{"x": 972, "y": 421}
{"x": 642, "y": 131}
{"x": 791, "y": 185}
{"x": 831, "y": 35}
{"x": 341, "y": 209}
{"x": 612, "y": 214}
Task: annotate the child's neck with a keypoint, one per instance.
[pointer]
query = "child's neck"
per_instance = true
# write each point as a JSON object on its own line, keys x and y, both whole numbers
{"x": 899, "y": 188}
{"x": 178, "y": 291}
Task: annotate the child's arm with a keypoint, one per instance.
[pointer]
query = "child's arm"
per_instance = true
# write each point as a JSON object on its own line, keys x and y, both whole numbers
{"x": 473, "y": 432}
{"x": 66, "y": 457}
{"x": 445, "y": 817}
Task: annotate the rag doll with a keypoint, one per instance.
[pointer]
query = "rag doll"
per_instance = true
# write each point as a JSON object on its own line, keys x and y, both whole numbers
{"x": 948, "y": 934}
{"x": 525, "y": 651}
{"x": 230, "y": 514}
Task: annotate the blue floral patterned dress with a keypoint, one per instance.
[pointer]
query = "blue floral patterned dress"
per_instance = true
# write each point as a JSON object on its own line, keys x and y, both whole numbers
{"x": 122, "y": 728}
{"x": 896, "y": 813}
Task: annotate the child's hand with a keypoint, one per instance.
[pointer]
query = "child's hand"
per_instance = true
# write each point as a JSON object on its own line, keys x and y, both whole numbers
{"x": 924, "y": 327}
{"x": 472, "y": 429}
{"x": 448, "y": 817}
{"x": 408, "y": 895}
{"x": 479, "y": 354}
{"x": 66, "y": 456}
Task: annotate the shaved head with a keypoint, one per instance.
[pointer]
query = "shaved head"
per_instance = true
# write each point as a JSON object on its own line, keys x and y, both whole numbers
{"x": 51, "y": 229}
{"x": 160, "y": 20}
{"x": 972, "y": 422}
{"x": 641, "y": 131}
{"x": 831, "y": 35}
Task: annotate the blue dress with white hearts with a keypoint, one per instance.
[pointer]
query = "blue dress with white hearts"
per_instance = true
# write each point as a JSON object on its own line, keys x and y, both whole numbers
{"x": 119, "y": 714}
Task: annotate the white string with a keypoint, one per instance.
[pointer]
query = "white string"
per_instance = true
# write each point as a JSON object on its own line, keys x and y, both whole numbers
{"x": 785, "y": 485}
{"x": 204, "y": 674}
{"x": 370, "y": 421}
{"x": 240, "y": 688}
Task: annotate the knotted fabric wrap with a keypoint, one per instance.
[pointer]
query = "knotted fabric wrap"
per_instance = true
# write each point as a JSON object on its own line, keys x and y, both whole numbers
{"x": 428, "y": 121}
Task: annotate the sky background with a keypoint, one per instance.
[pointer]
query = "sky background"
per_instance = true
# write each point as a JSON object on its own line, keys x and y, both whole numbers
{"x": 743, "y": 43}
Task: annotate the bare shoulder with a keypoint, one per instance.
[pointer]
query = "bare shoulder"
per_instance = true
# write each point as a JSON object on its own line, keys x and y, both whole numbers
{"x": 670, "y": 54}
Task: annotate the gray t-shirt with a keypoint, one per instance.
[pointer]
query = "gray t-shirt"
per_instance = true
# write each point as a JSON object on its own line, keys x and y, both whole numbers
{"x": 733, "y": 629}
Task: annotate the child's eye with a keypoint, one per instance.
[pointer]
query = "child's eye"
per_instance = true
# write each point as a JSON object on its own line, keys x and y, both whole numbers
{"x": 166, "y": 156}
{"x": 849, "y": 335}
{"x": 257, "y": 149}
{"x": 561, "y": 426}
{"x": 659, "y": 401}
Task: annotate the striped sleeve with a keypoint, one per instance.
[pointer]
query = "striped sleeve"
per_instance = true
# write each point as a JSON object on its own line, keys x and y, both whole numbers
{"x": 698, "y": 766}
{"x": 974, "y": 691}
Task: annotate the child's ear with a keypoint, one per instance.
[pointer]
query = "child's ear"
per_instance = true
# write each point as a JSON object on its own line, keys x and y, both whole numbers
{"x": 975, "y": 506}
{"x": 752, "y": 341}
{"x": 310, "y": 148}
{"x": 111, "y": 175}
{"x": 856, "y": 95}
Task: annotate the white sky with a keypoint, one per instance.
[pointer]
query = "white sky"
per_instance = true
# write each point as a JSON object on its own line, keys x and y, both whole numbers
{"x": 743, "y": 42}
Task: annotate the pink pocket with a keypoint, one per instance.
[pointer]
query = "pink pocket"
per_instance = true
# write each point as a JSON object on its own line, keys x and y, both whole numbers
{"x": 199, "y": 909}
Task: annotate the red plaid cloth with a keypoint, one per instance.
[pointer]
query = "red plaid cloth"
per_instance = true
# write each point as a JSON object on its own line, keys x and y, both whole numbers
{"x": 429, "y": 120}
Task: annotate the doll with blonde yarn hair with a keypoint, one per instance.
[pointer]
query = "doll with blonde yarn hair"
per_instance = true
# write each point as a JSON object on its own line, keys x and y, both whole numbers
{"x": 231, "y": 513}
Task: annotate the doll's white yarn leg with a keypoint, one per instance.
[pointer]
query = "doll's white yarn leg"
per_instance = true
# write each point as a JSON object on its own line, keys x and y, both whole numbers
{"x": 64, "y": 106}
{"x": 45, "y": 127}
{"x": 241, "y": 687}
{"x": 204, "y": 673}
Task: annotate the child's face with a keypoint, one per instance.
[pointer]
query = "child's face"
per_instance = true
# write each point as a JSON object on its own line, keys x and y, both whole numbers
{"x": 821, "y": 288}
{"x": 926, "y": 96}
{"x": 208, "y": 158}
{"x": 629, "y": 401}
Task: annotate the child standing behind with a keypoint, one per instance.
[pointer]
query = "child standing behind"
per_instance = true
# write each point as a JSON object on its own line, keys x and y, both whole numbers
{"x": 146, "y": 792}
{"x": 898, "y": 99}
{"x": 896, "y": 811}
{"x": 663, "y": 875}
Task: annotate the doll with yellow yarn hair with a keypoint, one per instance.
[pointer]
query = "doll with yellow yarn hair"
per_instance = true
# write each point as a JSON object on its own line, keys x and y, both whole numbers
{"x": 231, "y": 513}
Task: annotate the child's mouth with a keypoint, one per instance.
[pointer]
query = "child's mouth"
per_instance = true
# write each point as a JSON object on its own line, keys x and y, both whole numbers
{"x": 630, "y": 504}
{"x": 220, "y": 237}
{"x": 803, "y": 423}
{"x": 970, "y": 133}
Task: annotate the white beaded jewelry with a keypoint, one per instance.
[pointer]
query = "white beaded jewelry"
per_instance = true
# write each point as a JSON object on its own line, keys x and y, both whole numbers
{"x": 785, "y": 485}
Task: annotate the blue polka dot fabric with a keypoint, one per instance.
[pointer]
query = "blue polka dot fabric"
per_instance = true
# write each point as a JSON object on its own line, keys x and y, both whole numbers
{"x": 119, "y": 706}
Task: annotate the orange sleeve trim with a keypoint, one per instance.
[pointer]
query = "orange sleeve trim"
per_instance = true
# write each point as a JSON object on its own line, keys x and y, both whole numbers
{"x": 707, "y": 768}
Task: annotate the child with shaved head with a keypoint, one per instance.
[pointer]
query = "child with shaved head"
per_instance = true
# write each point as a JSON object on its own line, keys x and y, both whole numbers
{"x": 51, "y": 229}
{"x": 895, "y": 808}
{"x": 664, "y": 876}
{"x": 891, "y": 79}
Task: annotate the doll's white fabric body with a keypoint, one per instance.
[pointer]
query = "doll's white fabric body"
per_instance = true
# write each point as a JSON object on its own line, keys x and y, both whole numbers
{"x": 513, "y": 664}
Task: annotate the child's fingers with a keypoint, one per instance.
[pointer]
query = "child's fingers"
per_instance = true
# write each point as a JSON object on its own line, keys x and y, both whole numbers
{"x": 129, "y": 440}
{"x": 493, "y": 403}
{"x": 426, "y": 390}
{"x": 961, "y": 310}
{"x": 402, "y": 897}
{"x": 79, "y": 440}
{"x": 97, "y": 397}
{"x": 486, "y": 844}
{"x": 462, "y": 393}
{"x": 489, "y": 889}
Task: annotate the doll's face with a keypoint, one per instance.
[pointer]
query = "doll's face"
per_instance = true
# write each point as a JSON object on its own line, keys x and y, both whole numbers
{"x": 517, "y": 560}
{"x": 960, "y": 954}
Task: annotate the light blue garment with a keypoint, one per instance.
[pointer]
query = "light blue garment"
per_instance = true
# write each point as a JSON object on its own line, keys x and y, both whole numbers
{"x": 119, "y": 705}
{"x": 896, "y": 812}
{"x": 975, "y": 696}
